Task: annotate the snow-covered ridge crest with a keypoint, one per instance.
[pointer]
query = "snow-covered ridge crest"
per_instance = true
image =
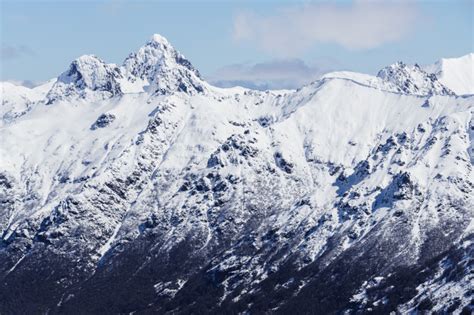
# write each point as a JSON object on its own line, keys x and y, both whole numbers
{"x": 397, "y": 78}
{"x": 157, "y": 68}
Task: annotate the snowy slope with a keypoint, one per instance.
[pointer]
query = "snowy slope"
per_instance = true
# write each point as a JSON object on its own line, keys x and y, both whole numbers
{"x": 17, "y": 100}
{"x": 455, "y": 73}
{"x": 143, "y": 188}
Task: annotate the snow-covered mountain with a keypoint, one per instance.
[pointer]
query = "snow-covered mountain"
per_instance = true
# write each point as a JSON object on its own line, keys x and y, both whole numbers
{"x": 455, "y": 73}
{"x": 17, "y": 99}
{"x": 140, "y": 188}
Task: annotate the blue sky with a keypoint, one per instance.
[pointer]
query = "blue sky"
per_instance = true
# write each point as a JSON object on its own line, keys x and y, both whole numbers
{"x": 256, "y": 41}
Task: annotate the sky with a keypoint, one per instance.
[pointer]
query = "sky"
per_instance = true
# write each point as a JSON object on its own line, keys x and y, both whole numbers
{"x": 260, "y": 43}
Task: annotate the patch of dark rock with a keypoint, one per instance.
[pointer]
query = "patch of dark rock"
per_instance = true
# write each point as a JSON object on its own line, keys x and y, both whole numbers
{"x": 303, "y": 202}
{"x": 265, "y": 121}
{"x": 185, "y": 186}
{"x": 202, "y": 186}
{"x": 116, "y": 188}
{"x": 5, "y": 182}
{"x": 282, "y": 163}
{"x": 103, "y": 121}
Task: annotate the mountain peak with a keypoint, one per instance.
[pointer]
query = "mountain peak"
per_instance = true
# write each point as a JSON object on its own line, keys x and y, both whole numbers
{"x": 410, "y": 79}
{"x": 85, "y": 74}
{"x": 156, "y": 53}
{"x": 158, "y": 39}
{"x": 163, "y": 67}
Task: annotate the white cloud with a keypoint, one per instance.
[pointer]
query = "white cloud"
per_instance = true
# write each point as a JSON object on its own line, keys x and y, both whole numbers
{"x": 276, "y": 74}
{"x": 360, "y": 25}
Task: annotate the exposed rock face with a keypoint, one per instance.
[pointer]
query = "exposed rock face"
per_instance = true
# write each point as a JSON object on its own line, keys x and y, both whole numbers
{"x": 131, "y": 193}
{"x": 103, "y": 121}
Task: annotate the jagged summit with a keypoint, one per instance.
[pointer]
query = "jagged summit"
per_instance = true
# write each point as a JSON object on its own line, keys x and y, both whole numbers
{"x": 163, "y": 68}
{"x": 412, "y": 80}
{"x": 85, "y": 75}
{"x": 89, "y": 71}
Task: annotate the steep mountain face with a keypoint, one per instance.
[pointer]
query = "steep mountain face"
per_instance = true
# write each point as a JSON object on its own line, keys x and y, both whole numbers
{"x": 144, "y": 189}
